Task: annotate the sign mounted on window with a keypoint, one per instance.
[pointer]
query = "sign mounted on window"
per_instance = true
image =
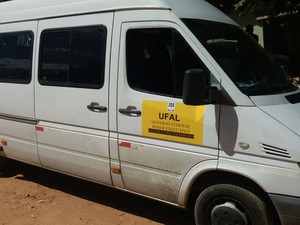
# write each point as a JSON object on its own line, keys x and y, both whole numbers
{"x": 173, "y": 121}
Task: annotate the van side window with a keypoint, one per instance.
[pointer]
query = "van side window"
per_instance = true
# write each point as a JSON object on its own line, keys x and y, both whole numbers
{"x": 73, "y": 57}
{"x": 16, "y": 57}
{"x": 157, "y": 59}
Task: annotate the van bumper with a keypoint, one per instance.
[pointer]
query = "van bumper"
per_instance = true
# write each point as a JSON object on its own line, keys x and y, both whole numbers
{"x": 287, "y": 208}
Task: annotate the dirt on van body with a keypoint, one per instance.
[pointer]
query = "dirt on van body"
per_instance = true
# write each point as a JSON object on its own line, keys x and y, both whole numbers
{"x": 33, "y": 196}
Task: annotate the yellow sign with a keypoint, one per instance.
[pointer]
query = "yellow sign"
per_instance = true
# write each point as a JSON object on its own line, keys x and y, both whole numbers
{"x": 173, "y": 121}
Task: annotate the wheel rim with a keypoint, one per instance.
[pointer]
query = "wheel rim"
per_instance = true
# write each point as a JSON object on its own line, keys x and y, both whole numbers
{"x": 228, "y": 214}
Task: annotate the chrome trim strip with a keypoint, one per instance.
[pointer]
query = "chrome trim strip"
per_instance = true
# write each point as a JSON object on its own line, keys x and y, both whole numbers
{"x": 18, "y": 119}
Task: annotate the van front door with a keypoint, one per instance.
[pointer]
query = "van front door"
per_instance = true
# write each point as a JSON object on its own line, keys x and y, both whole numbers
{"x": 72, "y": 95}
{"x": 160, "y": 138}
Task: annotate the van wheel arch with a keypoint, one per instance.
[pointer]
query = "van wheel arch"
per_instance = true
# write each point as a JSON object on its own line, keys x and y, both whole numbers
{"x": 212, "y": 178}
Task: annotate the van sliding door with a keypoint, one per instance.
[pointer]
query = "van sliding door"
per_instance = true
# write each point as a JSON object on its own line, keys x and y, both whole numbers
{"x": 72, "y": 95}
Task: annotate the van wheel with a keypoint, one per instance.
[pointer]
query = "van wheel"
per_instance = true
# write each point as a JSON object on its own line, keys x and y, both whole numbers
{"x": 3, "y": 162}
{"x": 231, "y": 205}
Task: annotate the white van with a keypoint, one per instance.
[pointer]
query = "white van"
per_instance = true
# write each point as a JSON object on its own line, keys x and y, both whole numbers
{"x": 168, "y": 99}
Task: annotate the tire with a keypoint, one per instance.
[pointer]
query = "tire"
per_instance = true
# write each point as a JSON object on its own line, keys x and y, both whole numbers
{"x": 226, "y": 204}
{"x": 3, "y": 162}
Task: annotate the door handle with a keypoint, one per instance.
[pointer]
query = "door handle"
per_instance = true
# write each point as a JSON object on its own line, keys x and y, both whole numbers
{"x": 131, "y": 111}
{"x": 95, "y": 107}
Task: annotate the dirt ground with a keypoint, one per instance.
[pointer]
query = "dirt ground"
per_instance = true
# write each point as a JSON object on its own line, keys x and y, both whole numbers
{"x": 34, "y": 196}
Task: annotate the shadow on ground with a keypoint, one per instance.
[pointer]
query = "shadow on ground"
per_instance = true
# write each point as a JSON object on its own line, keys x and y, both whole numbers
{"x": 133, "y": 204}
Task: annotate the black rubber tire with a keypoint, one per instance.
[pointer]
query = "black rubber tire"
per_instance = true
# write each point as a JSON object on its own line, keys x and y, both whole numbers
{"x": 245, "y": 202}
{"x": 3, "y": 162}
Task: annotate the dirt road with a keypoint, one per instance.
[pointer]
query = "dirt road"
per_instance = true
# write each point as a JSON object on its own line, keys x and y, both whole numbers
{"x": 34, "y": 196}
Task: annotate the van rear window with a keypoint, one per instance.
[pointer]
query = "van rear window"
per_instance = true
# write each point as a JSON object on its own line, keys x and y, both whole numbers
{"x": 73, "y": 57}
{"x": 16, "y": 57}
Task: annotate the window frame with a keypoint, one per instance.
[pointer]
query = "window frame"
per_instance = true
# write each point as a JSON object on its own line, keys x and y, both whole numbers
{"x": 70, "y": 84}
{"x": 175, "y": 36}
{"x": 29, "y": 77}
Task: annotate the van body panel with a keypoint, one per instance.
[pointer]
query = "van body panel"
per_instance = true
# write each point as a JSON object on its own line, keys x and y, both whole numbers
{"x": 268, "y": 154}
{"x": 101, "y": 99}
{"x": 286, "y": 114}
{"x": 94, "y": 142}
{"x": 21, "y": 141}
{"x": 47, "y": 9}
{"x": 22, "y": 95}
{"x": 70, "y": 130}
{"x": 191, "y": 178}
{"x": 17, "y": 113}
{"x": 17, "y": 129}
{"x": 74, "y": 163}
{"x": 116, "y": 173}
{"x": 21, "y": 150}
{"x": 186, "y": 9}
{"x": 271, "y": 178}
{"x": 287, "y": 207}
{"x": 151, "y": 165}
{"x": 268, "y": 138}
{"x": 51, "y": 99}
{"x": 271, "y": 100}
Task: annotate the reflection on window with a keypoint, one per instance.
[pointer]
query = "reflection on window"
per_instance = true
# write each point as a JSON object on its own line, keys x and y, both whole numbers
{"x": 244, "y": 61}
{"x": 73, "y": 57}
{"x": 15, "y": 57}
{"x": 157, "y": 59}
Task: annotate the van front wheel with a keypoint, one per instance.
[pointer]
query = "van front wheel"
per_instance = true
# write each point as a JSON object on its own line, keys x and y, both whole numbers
{"x": 229, "y": 204}
{"x": 3, "y": 162}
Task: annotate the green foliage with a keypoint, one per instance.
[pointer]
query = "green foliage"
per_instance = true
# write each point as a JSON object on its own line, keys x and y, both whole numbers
{"x": 278, "y": 6}
{"x": 245, "y": 6}
{"x": 224, "y": 5}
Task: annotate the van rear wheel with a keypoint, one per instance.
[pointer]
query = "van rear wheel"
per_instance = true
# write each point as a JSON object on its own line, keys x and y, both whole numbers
{"x": 226, "y": 204}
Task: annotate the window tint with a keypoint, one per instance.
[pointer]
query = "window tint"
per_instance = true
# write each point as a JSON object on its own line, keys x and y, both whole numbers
{"x": 245, "y": 62}
{"x": 157, "y": 60}
{"x": 73, "y": 57}
{"x": 15, "y": 57}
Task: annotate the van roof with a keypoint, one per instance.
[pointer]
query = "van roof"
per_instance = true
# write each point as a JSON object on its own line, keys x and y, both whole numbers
{"x": 22, "y": 10}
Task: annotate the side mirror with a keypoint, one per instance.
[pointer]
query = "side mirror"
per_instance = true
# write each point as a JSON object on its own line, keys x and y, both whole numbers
{"x": 196, "y": 90}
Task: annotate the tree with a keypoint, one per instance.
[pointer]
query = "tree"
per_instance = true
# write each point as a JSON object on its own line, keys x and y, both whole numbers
{"x": 224, "y": 5}
{"x": 278, "y": 6}
{"x": 245, "y": 6}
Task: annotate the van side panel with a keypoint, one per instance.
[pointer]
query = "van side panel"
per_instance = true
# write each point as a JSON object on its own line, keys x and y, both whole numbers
{"x": 17, "y": 115}
{"x": 157, "y": 142}
{"x": 21, "y": 141}
{"x": 72, "y": 95}
{"x": 16, "y": 96}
